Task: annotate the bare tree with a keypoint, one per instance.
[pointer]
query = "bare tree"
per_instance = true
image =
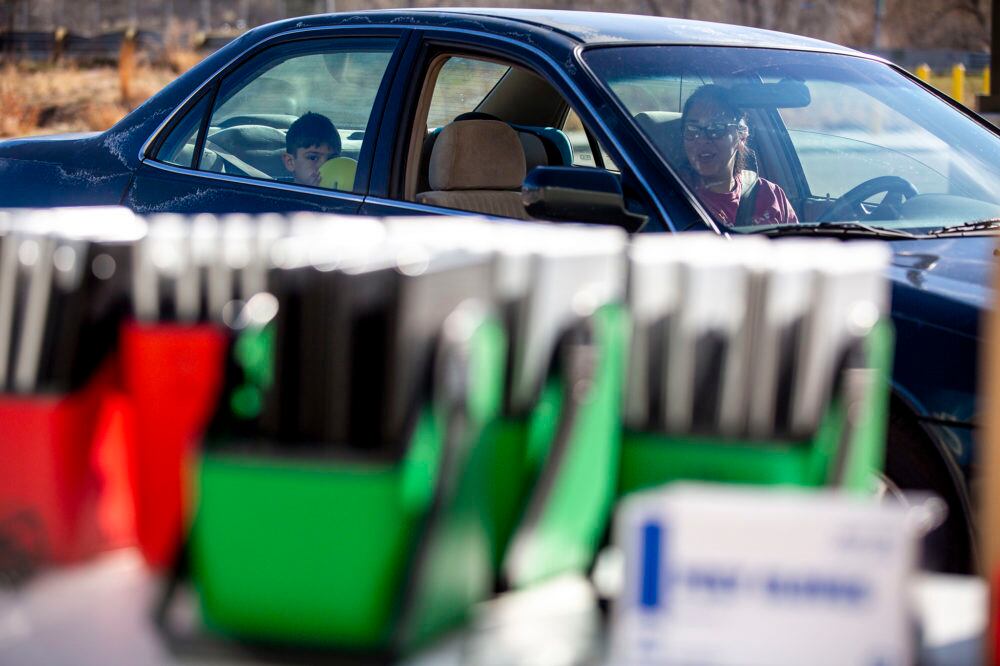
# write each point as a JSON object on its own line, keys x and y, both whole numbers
{"x": 958, "y": 24}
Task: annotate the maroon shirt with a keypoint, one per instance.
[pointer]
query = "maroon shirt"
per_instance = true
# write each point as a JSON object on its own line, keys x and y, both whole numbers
{"x": 772, "y": 206}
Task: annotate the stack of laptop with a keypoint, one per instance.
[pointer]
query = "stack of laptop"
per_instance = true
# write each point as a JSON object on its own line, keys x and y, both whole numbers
{"x": 746, "y": 338}
{"x": 63, "y": 289}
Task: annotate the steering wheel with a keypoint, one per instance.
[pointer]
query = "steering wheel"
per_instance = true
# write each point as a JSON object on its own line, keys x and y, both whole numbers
{"x": 849, "y": 205}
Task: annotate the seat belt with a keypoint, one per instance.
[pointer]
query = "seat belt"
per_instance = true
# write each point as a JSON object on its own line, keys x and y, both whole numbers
{"x": 748, "y": 199}
{"x": 248, "y": 169}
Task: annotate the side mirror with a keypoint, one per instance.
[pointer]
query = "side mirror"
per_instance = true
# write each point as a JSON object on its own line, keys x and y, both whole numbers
{"x": 578, "y": 194}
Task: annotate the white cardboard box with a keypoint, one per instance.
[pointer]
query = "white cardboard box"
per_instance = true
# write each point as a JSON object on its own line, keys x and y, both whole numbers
{"x": 731, "y": 575}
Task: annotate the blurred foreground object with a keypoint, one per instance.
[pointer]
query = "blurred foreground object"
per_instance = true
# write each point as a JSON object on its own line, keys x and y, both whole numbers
{"x": 340, "y": 491}
{"x": 185, "y": 273}
{"x": 756, "y": 362}
{"x": 97, "y": 614}
{"x": 365, "y": 498}
{"x": 719, "y": 575}
{"x": 349, "y": 431}
{"x": 61, "y": 295}
{"x": 560, "y": 291}
{"x": 989, "y": 473}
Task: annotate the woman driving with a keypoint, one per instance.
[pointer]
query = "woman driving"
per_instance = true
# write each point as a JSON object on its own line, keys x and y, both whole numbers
{"x": 715, "y": 145}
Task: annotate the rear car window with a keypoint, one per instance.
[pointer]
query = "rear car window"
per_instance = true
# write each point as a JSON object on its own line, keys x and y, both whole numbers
{"x": 335, "y": 82}
{"x": 461, "y": 85}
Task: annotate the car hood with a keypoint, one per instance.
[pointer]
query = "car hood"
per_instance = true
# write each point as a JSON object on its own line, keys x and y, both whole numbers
{"x": 945, "y": 283}
{"x": 958, "y": 268}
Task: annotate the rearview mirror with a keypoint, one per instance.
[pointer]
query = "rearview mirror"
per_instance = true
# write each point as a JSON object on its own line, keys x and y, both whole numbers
{"x": 578, "y": 194}
{"x": 785, "y": 94}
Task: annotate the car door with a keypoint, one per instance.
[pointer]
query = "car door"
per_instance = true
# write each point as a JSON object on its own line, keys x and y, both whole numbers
{"x": 453, "y": 73}
{"x": 226, "y": 149}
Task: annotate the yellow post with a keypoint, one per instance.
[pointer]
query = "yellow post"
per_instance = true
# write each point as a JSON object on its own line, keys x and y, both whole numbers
{"x": 924, "y": 72}
{"x": 958, "y": 83}
{"x": 986, "y": 80}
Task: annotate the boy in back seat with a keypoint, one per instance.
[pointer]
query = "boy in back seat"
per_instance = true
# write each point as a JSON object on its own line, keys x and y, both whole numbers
{"x": 310, "y": 142}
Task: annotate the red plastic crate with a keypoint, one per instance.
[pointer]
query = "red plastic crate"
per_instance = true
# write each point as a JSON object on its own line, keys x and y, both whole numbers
{"x": 172, "y": 375}
{"x": 59, "y": 469}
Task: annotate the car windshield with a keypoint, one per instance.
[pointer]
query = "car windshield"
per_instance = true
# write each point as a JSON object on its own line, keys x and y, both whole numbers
{"x": 765, "y": 138}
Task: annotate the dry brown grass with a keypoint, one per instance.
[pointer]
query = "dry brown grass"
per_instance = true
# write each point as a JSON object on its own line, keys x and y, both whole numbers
{"x": 179, "y": 45}
{"x": 46, "y": 99}
{"x": 181, "y": 60}
{"x": 16, "y": 116}
{"x": 101, "y": 116}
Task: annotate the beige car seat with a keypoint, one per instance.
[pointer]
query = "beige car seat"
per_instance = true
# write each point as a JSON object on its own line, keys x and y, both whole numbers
{"x": 535, "y": 154}
{"x": 664, "y": 129}
{"x": 478, "y": 166}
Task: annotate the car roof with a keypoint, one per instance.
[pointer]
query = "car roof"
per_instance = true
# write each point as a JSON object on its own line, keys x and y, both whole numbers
{"x": 603, "y": 27}
{"x": 600, "y": 27}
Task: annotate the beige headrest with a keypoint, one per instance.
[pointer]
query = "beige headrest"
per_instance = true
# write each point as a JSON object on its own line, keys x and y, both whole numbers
{"x": 477, "y": 155}
{"x": 664, "y": 128}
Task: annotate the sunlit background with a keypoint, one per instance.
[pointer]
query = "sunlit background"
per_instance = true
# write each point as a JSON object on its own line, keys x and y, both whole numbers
{"x": 80, "y": 66}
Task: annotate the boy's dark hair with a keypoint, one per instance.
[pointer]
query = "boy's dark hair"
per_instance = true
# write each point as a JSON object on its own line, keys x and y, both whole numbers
{"x": 312, "y": 129}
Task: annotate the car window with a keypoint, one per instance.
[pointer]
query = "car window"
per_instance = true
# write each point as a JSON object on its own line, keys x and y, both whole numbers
{"x": 467, "y": 89}
{"x": 844, "y": 137}
{"x": 462, "y": 83}
{"x": 667, "y": 92}
{"x": 767, "y": 137}
{"x": 583, "y": 154}
{"x": 315, "y": 97}
{"x": 180, "y": 145}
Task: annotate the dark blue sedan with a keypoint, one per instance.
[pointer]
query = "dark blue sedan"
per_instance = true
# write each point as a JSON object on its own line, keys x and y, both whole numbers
{"x": 597, "y": 117}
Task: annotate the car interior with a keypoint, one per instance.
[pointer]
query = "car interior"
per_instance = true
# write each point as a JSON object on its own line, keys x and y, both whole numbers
{"x": 479, "y": 127}
{"x": 477, "y": 159}
{"x": 257, "y": 105}
{"x": 840, "y": 147}
{"x": 476, "y": 165}
{"x": 767, "y": 156}
{"x": 252, "y": 145}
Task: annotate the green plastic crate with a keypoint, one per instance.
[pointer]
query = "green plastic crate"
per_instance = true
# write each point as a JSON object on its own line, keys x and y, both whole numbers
{"x": 651, "y": 459}
{"x": 550, "y": 508}
{"x": 340, "y": 552}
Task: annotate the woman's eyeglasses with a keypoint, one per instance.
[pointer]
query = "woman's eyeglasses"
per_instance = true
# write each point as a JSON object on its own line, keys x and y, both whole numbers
{"x": 714, "y": 131}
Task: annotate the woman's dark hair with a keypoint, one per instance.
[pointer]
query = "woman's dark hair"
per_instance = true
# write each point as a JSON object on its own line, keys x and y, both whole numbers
{"x": 720, "y": 97}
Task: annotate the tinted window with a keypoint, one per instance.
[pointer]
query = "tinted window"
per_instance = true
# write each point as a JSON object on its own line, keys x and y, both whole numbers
{"x": 831, "y": 137}
{"x": 179, "y": 146}
{"x": 461, "y": 85}
{"x": 550, "y": 133}
{"x": 583, "y": 154}
{"x": 837, "y": 148}
{"x": 261, "y": 107}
